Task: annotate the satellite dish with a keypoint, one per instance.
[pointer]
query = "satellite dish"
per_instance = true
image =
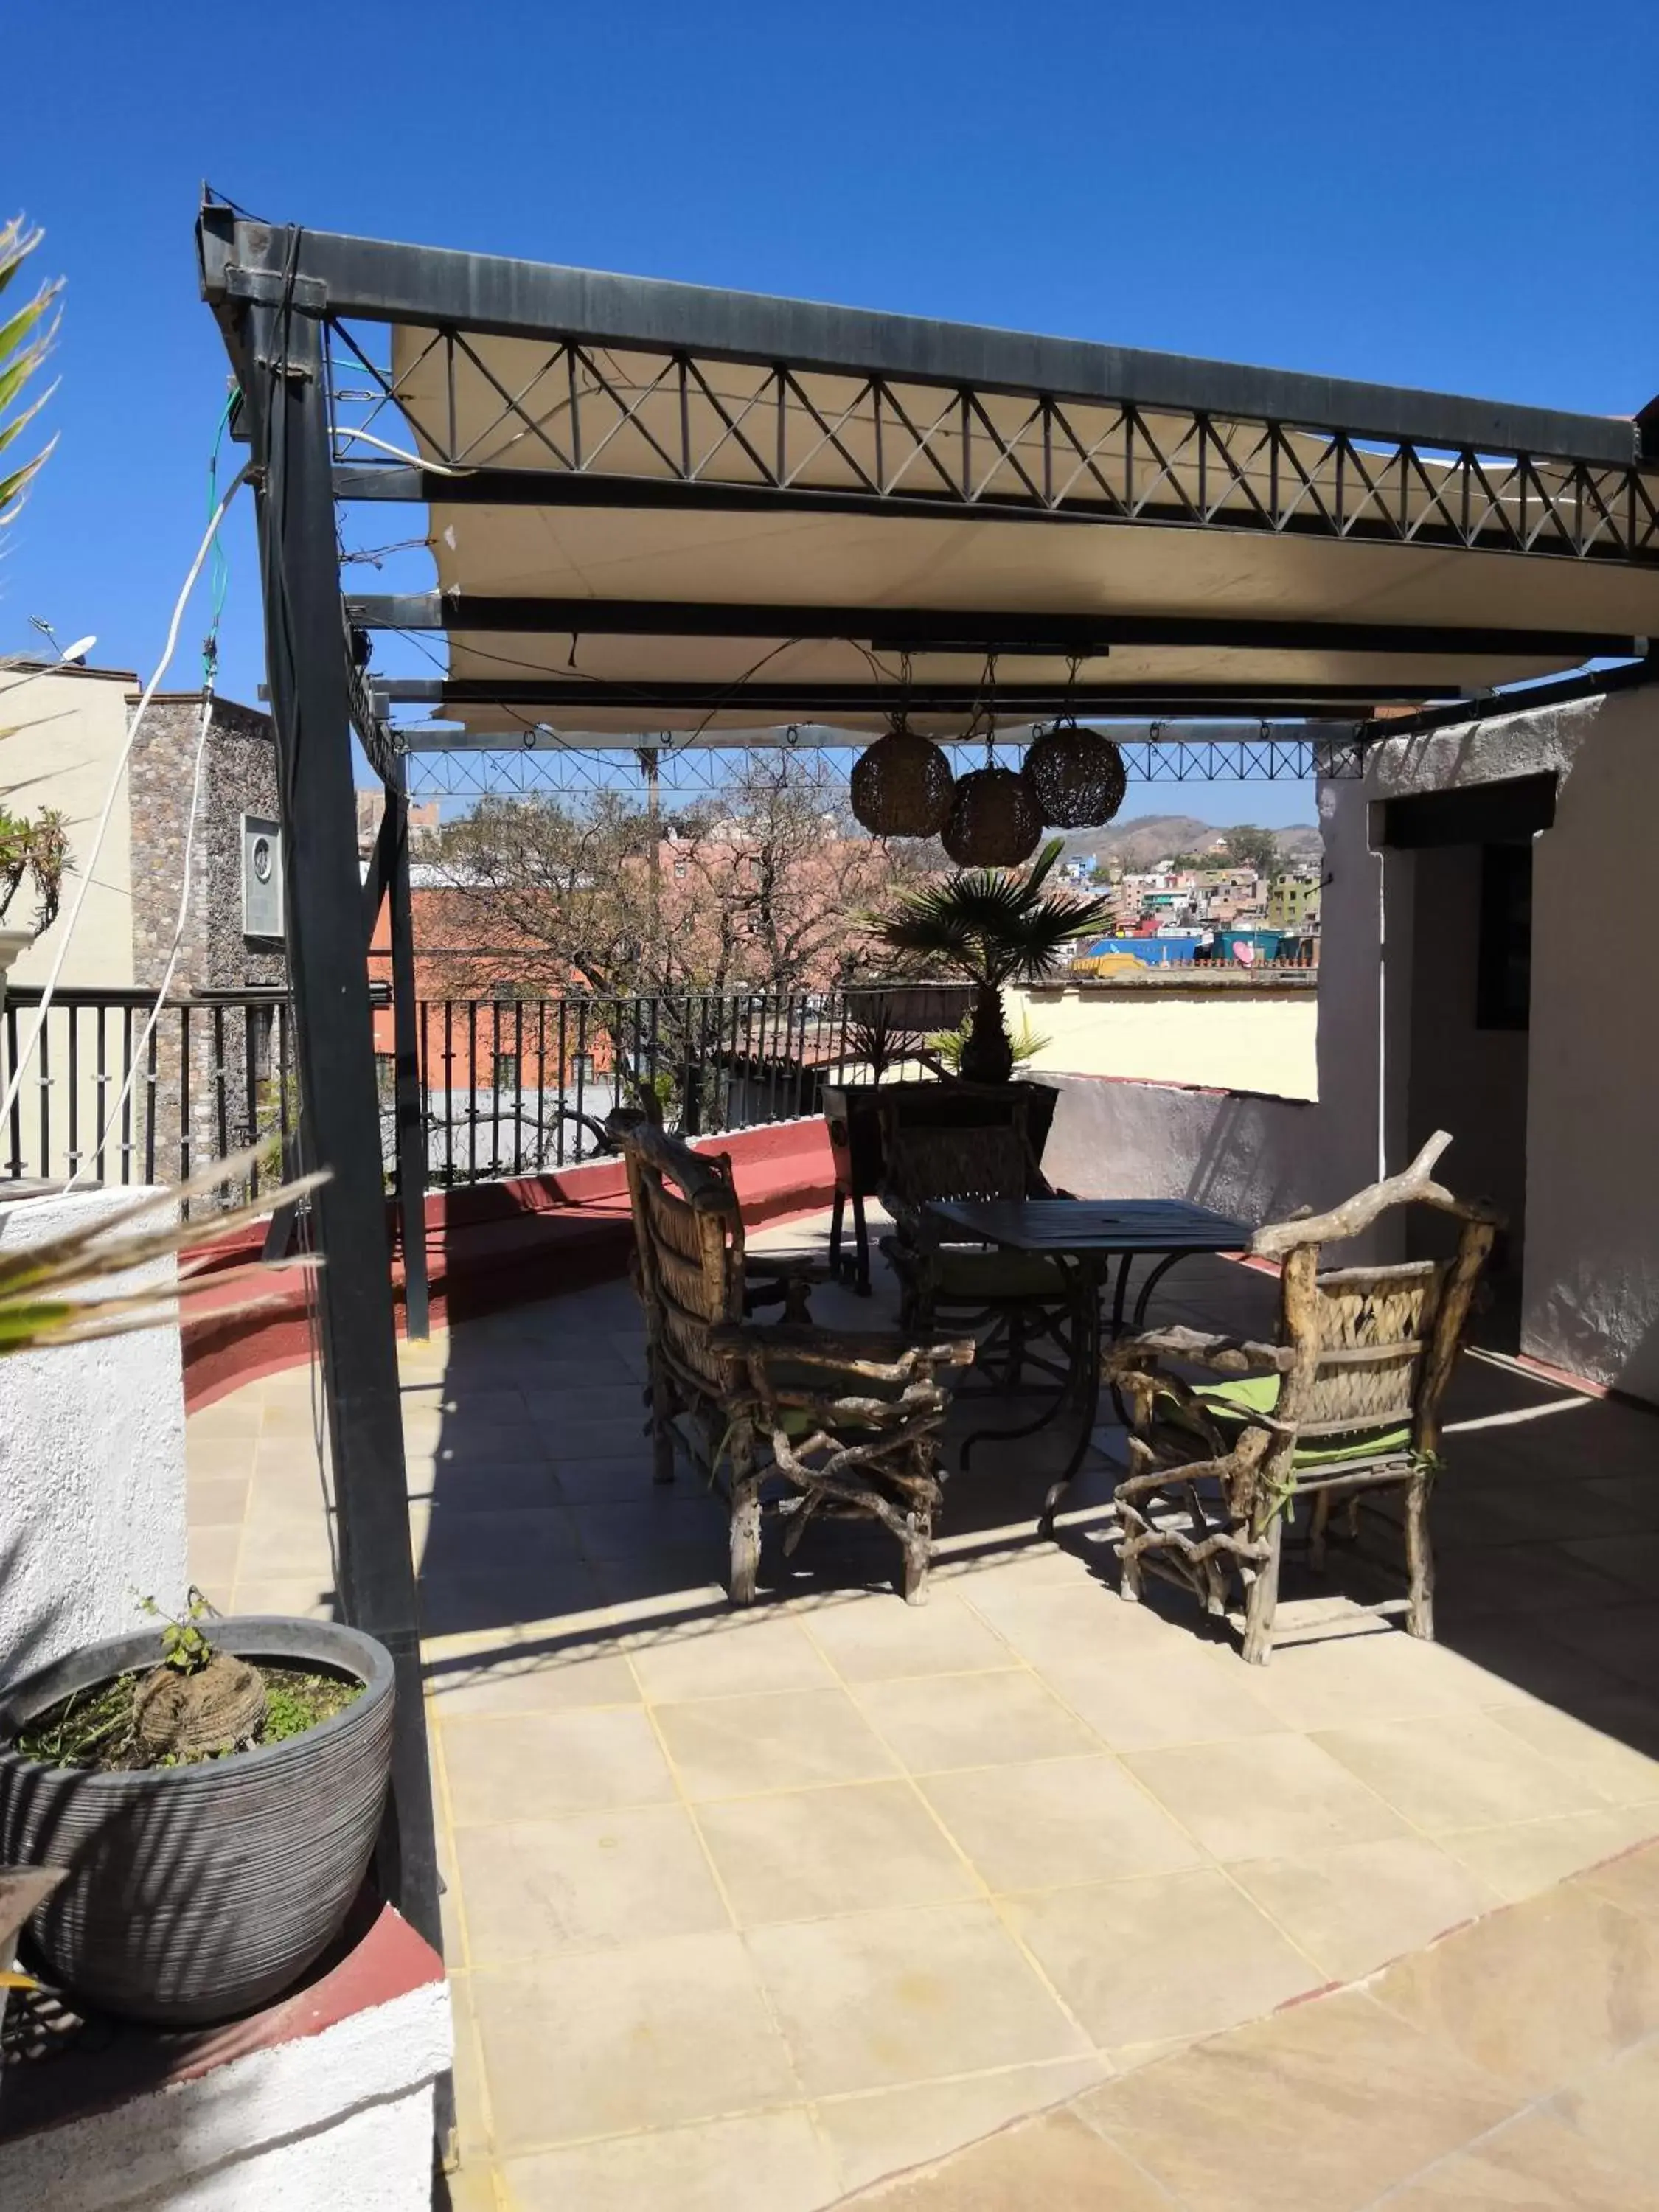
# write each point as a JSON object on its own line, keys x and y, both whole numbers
{"x": 73, "y": 655}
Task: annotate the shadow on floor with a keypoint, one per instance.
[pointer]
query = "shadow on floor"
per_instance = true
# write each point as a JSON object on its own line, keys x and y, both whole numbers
{"x": 543, "y": 1528}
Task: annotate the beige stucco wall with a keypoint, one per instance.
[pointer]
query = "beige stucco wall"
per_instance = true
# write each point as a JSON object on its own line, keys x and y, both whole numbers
{"x": 67, "y": 728}
{"x": 1216, "y": 1038}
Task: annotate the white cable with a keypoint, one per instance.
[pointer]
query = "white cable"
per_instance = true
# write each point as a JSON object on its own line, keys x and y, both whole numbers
{"x": 137, "y": 1056}
{"x": 399, "y": 453}
{"x": 90, "y": 864}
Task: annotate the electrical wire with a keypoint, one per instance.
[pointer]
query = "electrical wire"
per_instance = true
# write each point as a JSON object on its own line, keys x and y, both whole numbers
{"x": 26, "y": 1054}
{"x": 220, "y": 575}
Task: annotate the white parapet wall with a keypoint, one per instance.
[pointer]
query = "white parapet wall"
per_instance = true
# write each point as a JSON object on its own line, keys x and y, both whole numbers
{"x": 92, "y": 1467}
{"x": 335, "y": 2119}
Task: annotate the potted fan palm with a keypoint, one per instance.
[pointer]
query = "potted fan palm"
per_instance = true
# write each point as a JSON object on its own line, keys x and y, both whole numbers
{"x": 991, "y": 926}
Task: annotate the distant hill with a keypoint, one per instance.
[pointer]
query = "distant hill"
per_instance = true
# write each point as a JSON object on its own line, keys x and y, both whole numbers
{"x": 1143, "y": 839}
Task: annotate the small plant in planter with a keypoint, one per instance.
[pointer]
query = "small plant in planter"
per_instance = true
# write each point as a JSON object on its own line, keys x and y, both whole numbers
{"x": 197, "y": 1702}
{"x": 991, "y": 926}
{"x": 213, "y": 1788}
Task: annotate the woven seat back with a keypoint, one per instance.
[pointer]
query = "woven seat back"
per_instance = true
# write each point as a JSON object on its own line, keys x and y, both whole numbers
{"x": 924, "y": 1165}
{"x": 687, "y": 1227}
{"x": 1372, "y": 1325}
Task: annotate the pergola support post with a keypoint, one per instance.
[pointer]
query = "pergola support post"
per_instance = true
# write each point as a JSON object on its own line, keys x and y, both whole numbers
{"x": 287, "y": 409}
{"x": 409, "y": 1121}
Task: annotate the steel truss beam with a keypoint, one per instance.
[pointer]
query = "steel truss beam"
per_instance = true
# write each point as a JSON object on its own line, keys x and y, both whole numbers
{"x": 697, "y": 772}
{"x": 934, "y": 629}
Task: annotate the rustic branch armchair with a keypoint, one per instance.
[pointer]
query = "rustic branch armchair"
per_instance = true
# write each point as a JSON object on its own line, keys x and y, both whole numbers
{"x": 850, "y": 1422}
{"x": 1018, "y": 1300}
{"x": 1346, "y": 1402}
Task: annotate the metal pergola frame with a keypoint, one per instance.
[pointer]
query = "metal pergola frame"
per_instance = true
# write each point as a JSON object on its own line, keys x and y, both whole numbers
{"x": 1196, "y": 445}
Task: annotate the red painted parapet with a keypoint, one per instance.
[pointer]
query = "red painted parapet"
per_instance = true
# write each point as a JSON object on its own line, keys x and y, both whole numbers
{"x": 493, "y": 1245}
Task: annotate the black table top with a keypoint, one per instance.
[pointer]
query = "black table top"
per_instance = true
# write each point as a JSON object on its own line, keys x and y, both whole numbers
{"x": 1094, "y": 1224}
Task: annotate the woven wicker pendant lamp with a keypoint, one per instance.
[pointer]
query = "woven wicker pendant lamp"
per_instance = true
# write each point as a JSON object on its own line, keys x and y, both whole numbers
{"x": 1077, "y": 777}
{"x": 902, "y": 785}
{"x": 994, "y": 822}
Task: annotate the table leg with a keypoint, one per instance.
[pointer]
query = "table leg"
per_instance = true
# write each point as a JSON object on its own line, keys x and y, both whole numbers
{"x": 861, "y": 1247}
{"x": 837, "y": 1210}
{"x": 1085, "y": 1381}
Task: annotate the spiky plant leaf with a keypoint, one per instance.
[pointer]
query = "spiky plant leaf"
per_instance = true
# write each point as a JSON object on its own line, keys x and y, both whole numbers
{"x": 995, "y": 925}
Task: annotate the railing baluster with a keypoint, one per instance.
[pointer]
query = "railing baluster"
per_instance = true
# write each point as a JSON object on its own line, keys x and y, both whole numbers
{"x": 518, "y": 1086}
{"x": 558, "y": 1122}
{"x": 73, "y": 1151}
{"x": 473, "y": 1088}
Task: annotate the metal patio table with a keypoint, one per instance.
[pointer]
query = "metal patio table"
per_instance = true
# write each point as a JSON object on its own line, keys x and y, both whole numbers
{"x": 1086, "y": 1235}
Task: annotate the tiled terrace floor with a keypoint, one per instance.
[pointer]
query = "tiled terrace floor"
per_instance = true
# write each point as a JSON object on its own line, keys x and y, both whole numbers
{"x": 752, "y": 1910}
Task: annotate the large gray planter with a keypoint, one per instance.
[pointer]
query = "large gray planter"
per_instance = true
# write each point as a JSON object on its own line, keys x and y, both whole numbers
{"x": 197, "y": 1893}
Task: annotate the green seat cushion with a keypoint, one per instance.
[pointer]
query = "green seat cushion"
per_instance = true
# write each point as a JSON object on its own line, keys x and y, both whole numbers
{"x": 966, "y": 1272}
{"x": 1230, "y": 1403}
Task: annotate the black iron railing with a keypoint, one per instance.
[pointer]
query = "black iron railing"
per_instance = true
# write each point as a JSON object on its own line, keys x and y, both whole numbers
{"x": 508, "y": 1086}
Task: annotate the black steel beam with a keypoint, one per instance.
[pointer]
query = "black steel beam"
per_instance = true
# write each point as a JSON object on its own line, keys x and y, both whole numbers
{"x": 287, "y": 411}
{"x": 946, "y": 629}
{"x": 1555, "y": 692}
{"x": 803, "y": 702}
{"x": 379, "y": 280}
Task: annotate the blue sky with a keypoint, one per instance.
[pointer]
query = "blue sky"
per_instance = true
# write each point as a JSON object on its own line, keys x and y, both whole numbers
{"x": 1458, "y": 195}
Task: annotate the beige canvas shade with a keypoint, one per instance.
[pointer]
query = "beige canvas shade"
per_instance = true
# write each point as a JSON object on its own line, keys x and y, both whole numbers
{"x": 624, "y": 415}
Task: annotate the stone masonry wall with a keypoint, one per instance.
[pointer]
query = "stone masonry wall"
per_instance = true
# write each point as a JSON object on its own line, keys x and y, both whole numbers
{"x": 239, "y": 777}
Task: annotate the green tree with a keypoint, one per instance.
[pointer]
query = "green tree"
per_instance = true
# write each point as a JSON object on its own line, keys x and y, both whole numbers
{"x": 1251, "y": 847}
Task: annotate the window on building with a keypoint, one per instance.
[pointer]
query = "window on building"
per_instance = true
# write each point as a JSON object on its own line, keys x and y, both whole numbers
{"x": 1503, "y": 969}
{"x": 503, "y": 992}
{"x": 679, "y": 872}
{"x": 507, "y": 1071}
{"x": 581, "y": 1067}
{"x": 385, "y": 1073}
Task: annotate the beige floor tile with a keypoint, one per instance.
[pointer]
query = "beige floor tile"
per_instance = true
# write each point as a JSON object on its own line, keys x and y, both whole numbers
{"x": 872, "y": 1640}
{"x": 1535, "y": 2164}
{"x": 472, "y": 2187}
{"x": 213, "y": 1554}
{"x": 1269, "y": 1796}
{"x": 303, "y": 1598}
{"x": 875, "y": 1999}
{"x": 539, "y": 1766}
{"x": 1056, "y": 1821}
{"x": 799, "y": 1853}
{"x": 1178, "y": 1955}
{"x": 1376, "y": 1675}
{"x": 728, "y": 1657}
{"x": 1615, "y": 1771}
{"x": 216, "y": 1501}
{"x": 472, "y": 2099}
{"x": 533, "y": 1682}
{"x": 787, "y": 1740}
{"x": 1539, "y": 1993}
{"x": 237, "y": 1415}
{"x": 1519, "y": 1860}
{"x": 281, "y": 1550}
{"x": 1624, "y": 1639}
{"x": 1631, "y": 1879}
{"x": 290, "y": 1492}
{"x": 885, "y": 2130}
{"x": 1181, "y": 1694}
{"x": 1322, "y": 2107}
{"x": 628, "y": 1875}
{"x": 1054, "y": 2161}
{"x": 1353, "y": 1909}
{"x": 943, "y": 1721}
{"x": 1615, "y": 2106}
{"x": 209, "y": 1459}
{"x": 650, "y": 2036}
{"x": 1464, "y": 1772}
{"x": 1066, "y": 1624}
{"x": 769, "y": 2163}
